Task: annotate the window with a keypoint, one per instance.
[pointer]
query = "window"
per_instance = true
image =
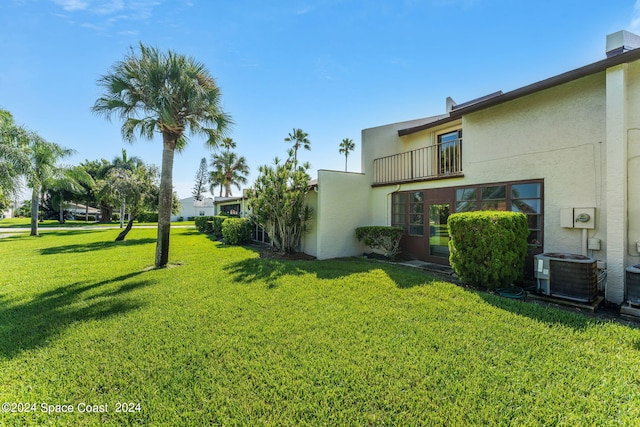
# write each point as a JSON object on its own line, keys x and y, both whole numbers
{"x": 416, "y": 213}
{"x": 525, "y": 197}
{"x": 231, "y": 210}
{"x": 399, "y": 211}
{"x": 407, "y": 211}
{"x": 449, "y": 152}
{"x": 201, "y": 213}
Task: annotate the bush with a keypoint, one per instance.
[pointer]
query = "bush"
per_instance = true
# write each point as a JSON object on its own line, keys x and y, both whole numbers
{"x": 115, "y": 216}
{"x": 148, "y": 217}
{"x": 217, "y": 225}
{"x": 380, "y": 237}
{"x": 236, "y": 231}
{"x": 191, "y": 218}
{"x": 203, "y": 224}
{"x": 488, "y": 248}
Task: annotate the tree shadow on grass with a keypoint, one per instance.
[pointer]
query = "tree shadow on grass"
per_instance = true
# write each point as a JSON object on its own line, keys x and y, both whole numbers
{"x": 553, "y": 314}
{"x": 93, "y": 246}
{"x": 31, "y": 324}
{"x": 270, "y": 270}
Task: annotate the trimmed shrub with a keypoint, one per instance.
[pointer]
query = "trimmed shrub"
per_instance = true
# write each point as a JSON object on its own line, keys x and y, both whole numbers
{"x": 203, "y": 224}
{"x": 148, "y": 217}
{"x": 191, "y": 218}
{"x": 488, "y": 248}
{"x": 236, "y": 231}
{"x": 115, "y": 216}
{"x": 380, "y": 237}
{"x": 217, "y": 222}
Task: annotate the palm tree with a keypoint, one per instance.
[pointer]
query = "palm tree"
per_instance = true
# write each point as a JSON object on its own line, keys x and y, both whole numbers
{"x": 346, "y": 146}
{"x": 234, "y": 170}
{"x": 65, "y": 180}
{"x": 216, "y": 178}
{"x": 228, "y": 144}
{"x": 172, "y": 94}
{"x": 43, "y": 166}
{"x": 14, "y": 159}
{"x": 299, "y": 139}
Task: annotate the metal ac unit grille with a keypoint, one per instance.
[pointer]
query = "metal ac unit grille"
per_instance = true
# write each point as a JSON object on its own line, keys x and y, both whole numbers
{"x": 633, "y": 284}
{"x": 574, "y": 280}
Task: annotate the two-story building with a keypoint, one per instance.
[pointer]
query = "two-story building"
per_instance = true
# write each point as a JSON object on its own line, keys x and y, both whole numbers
{"x": 565, "y": 144}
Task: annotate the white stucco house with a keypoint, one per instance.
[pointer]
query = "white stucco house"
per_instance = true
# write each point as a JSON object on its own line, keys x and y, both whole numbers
{"x": 190, "y": 207}
{"x": 566, "y": 145}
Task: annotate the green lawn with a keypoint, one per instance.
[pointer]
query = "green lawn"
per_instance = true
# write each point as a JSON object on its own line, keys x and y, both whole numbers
{"x": 225, "y": 338}
{"x": 52, "y": 223}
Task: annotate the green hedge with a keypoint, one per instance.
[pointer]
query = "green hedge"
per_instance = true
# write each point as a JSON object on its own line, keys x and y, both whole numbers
{"x": 236, "y": 231}
{"x": 217, "y": 225}
{"x": 381, "y": 237}
{"x": 488, "y": 248}
{"x": 204, "y": 224}
{"x": 148, "y": 217}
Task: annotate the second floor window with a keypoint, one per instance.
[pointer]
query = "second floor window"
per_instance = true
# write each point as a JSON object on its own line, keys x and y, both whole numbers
{"x": 450, "y": 152}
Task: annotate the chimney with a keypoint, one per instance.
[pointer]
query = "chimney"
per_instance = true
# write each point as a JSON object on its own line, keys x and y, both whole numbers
{"x": 450, "y": 104}
{"x": 621, "y": 42}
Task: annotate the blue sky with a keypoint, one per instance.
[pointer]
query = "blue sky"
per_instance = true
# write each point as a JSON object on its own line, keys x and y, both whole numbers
{"x": 329, "y": 67}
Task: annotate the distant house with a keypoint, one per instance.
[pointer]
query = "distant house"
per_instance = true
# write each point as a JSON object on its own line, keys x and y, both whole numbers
{"x": 190, "y": 207}
{"x": 79, "y": 211}
{"x": 568, "y": 144}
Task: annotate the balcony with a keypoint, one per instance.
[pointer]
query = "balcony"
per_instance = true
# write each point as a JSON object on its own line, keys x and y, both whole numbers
{"x": 438, "y": 161}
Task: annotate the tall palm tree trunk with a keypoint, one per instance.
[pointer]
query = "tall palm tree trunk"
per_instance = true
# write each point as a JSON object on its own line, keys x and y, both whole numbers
{"x": 35, "y": 204}
{"x": 165, "y": 202}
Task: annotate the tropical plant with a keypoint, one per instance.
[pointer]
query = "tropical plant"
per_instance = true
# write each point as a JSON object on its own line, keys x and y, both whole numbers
{"x": 98, "y": 170}
{"x": 14, "y": 160}
{"x": 201, "y": 180}
{"x": 346, "y": 146}
{"x": 43, "y": 167}
{"x": 170, "y": 93}
{"x": 216, "y": 178}
{"x": 125, "y": 164}
{"x": 233, "y": 169}
{"x": 277, "y": 201}
{"x": 137, "y": 187}
{"x": 300, "y": 140}
{"x": 63, "y": 182}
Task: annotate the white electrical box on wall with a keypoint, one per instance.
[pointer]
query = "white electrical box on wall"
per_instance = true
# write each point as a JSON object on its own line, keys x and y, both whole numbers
{"x": 566, "y": 217}
{"x": 578, "y": 218}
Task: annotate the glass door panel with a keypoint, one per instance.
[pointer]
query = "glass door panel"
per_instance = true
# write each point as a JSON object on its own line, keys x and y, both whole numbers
{"x": 438, "y": 233}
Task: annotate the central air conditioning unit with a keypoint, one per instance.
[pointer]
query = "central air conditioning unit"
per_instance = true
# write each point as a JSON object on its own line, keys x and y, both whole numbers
{"x": 569, "y": 276}
{"x": 632, "y": 283}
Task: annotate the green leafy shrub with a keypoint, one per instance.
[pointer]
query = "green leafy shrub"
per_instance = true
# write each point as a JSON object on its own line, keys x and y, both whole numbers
{"x": 217, "y": 222}
{"x": 488, "y": 248}
{"x": 148, "y": 217}
{"x": 115, "y": 216}
{"x": 380, "y": 237}
{"x": 236, "y": 231}
{"x": 204, "y": 224}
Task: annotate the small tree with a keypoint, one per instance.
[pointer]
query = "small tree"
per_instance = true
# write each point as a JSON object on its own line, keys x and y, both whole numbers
{"x": 138, "y": 188}
{"x": 277, "y": 201}
{"x": 200, "y": 185}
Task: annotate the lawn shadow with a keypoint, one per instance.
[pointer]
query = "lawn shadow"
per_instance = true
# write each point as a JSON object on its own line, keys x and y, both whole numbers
{"x": 32, "y": 324}
{"x": 94, "y": 246}
{"x": 553, "y": 314}
{"x": 270, "y": 270}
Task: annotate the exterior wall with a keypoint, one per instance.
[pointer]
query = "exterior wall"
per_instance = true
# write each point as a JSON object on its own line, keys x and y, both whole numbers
{"x": 188, "y": 208}
{"x": 582, "y": 138}
{"x": 309, "y": 240}
{"x": 342, "y": 205}
{"x": 556, "y": 135}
